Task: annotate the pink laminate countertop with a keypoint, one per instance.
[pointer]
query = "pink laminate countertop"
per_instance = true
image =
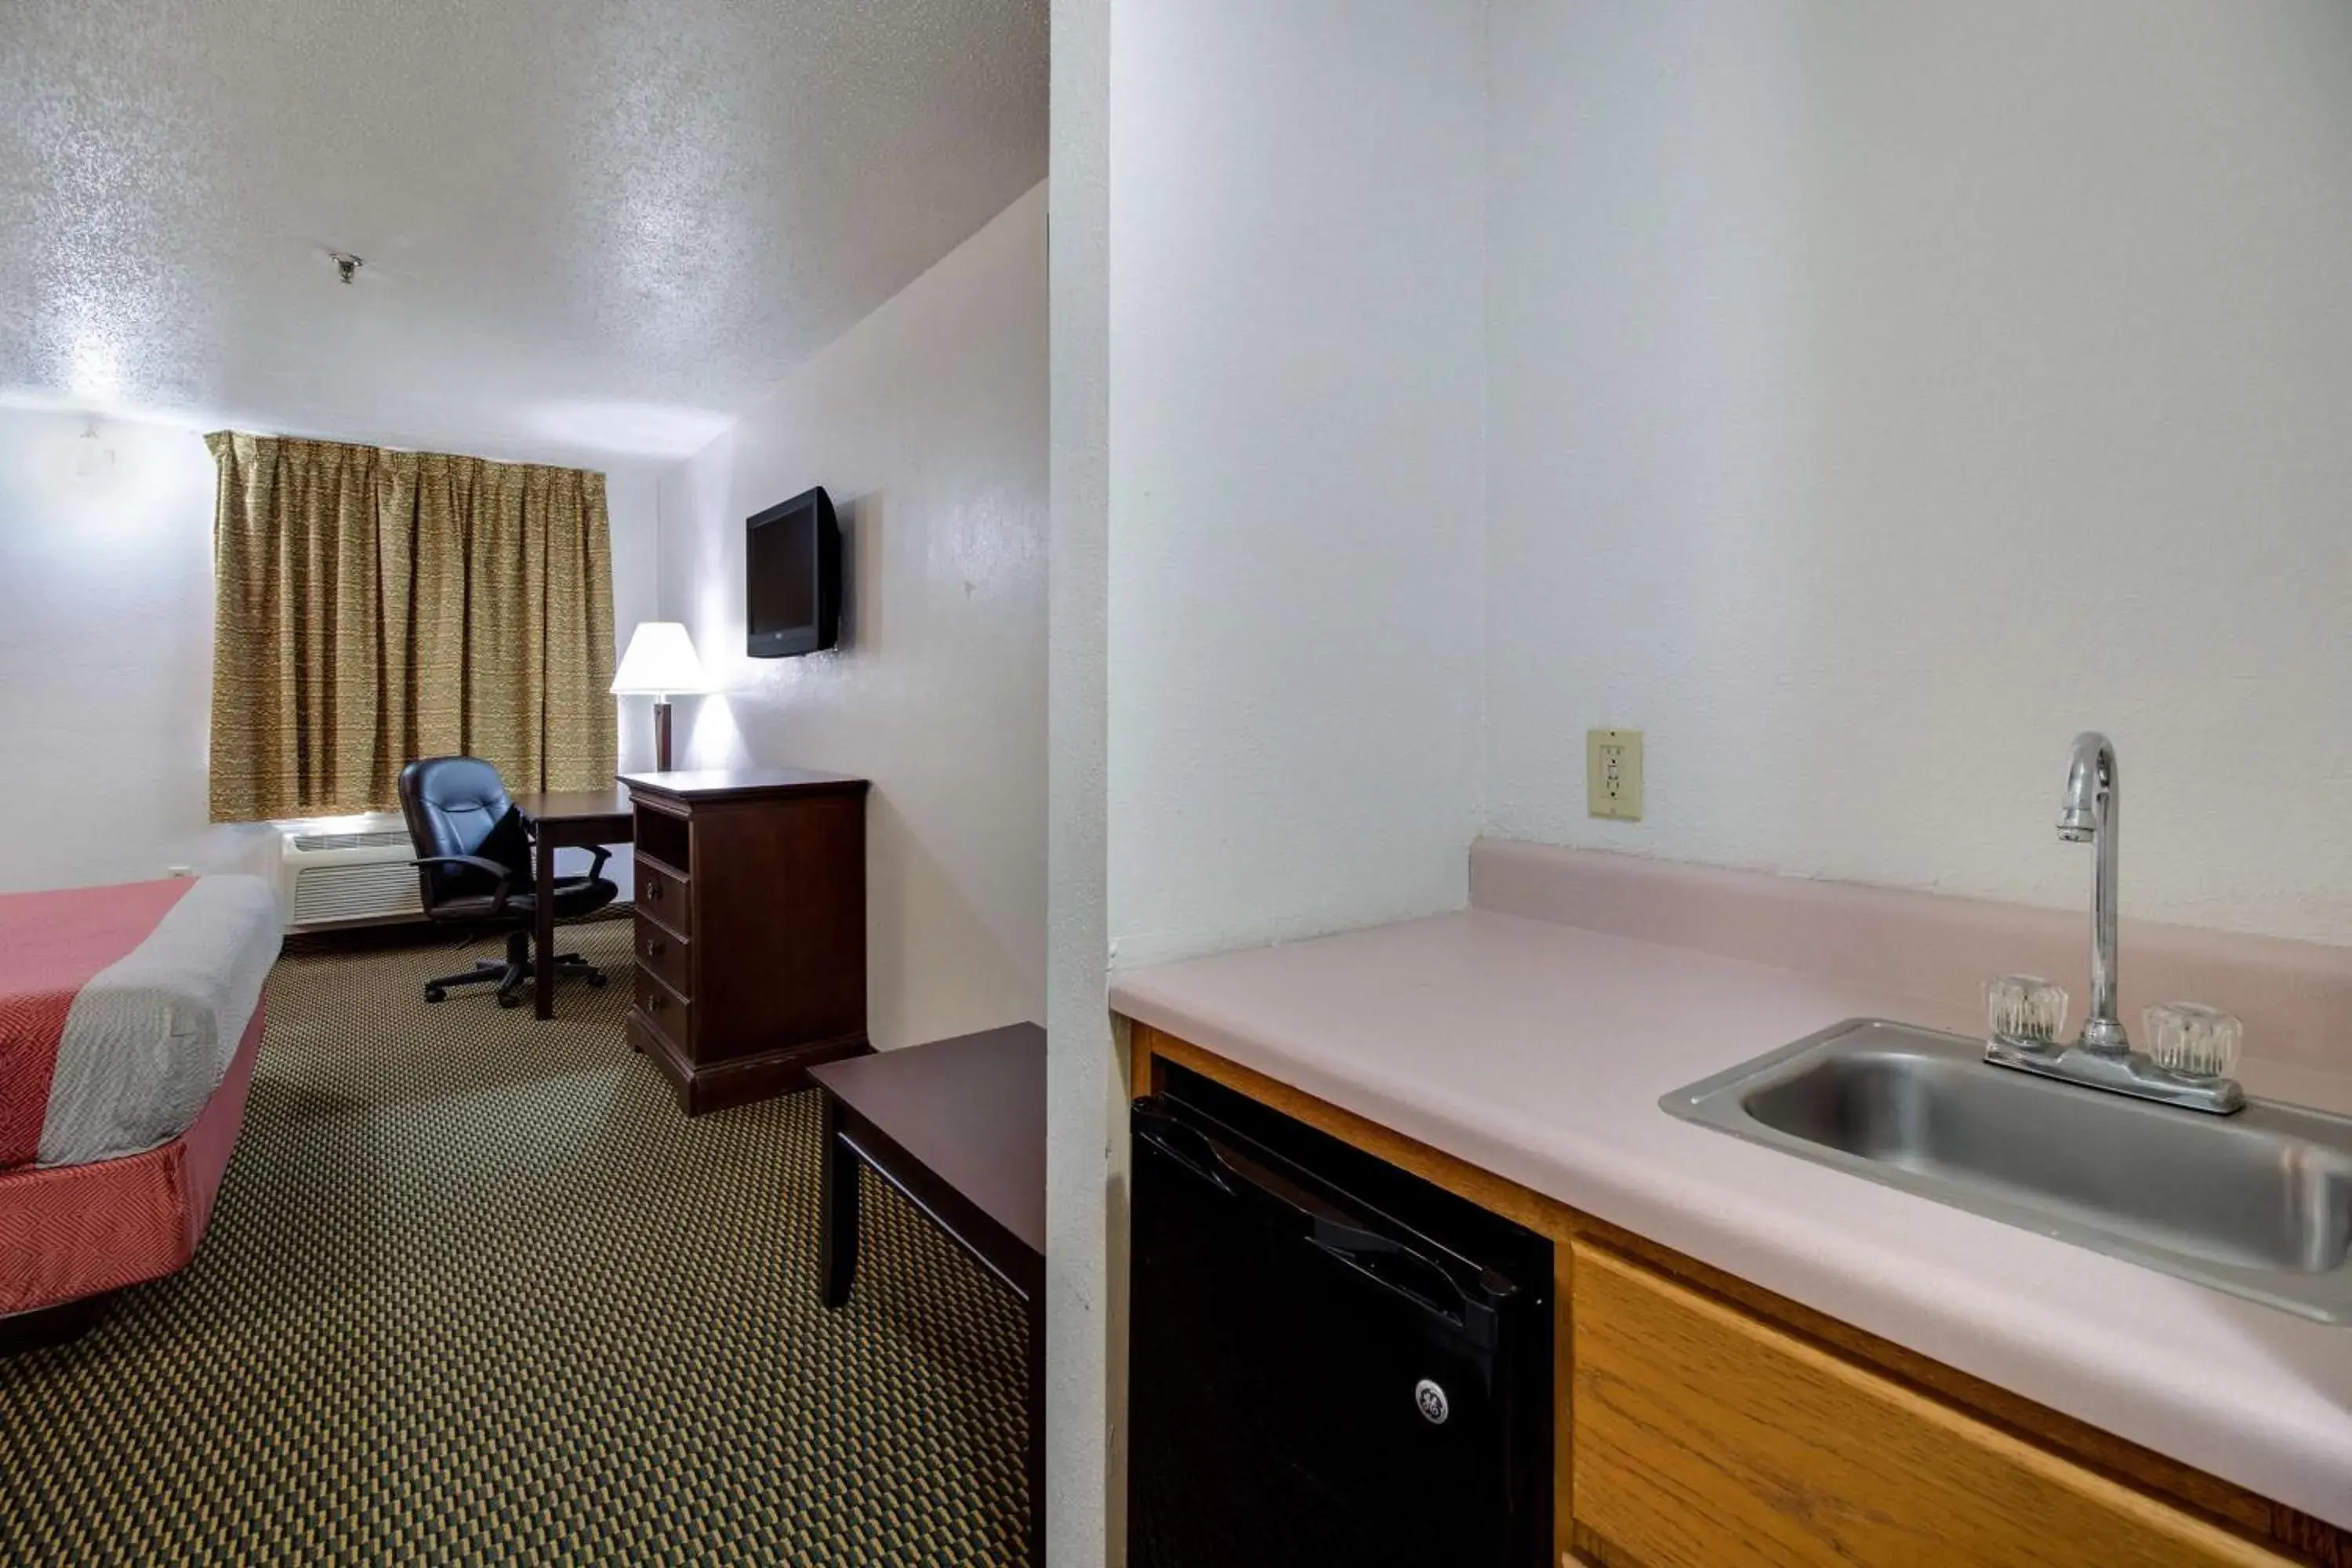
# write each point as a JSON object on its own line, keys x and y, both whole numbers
{"x": 1539, "y": 1051}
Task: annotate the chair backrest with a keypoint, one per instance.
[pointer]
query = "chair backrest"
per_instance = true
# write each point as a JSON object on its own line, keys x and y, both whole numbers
{"x": 457, "y": 805}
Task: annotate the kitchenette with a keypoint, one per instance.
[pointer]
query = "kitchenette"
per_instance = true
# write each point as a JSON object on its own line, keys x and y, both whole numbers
{"x": 1754, "y": 1356}
{"x": 1614, "y": 568}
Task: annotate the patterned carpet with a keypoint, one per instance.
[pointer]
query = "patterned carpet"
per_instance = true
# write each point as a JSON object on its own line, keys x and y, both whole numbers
{"x": 475, "y": 1292}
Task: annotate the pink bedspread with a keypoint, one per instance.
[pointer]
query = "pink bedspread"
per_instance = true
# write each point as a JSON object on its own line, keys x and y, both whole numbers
{"x": 82, "y": 1230}
{"x": 120, "y": 1010}
{"x": 51, "y": 945}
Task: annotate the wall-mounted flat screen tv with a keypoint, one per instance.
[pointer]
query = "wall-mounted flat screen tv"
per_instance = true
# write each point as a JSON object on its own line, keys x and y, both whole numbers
{"x": 792, "y": 559}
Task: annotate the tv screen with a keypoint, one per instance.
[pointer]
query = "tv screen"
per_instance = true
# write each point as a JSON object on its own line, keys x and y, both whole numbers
{"x": 791, "y": 570}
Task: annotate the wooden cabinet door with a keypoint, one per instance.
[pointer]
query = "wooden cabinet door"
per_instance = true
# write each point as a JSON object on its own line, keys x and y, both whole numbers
{"x": 1704, "y": 1437}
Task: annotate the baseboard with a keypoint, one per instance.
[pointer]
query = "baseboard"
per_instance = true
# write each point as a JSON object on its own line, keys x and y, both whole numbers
{"x": 739, "y": 1080}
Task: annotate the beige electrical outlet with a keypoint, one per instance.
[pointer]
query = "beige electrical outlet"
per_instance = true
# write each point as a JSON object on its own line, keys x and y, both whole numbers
{"x": 1612, "y": 774}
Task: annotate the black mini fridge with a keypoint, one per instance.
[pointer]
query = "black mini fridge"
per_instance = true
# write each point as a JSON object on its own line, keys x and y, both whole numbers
{"x": 1332, "y": 1362}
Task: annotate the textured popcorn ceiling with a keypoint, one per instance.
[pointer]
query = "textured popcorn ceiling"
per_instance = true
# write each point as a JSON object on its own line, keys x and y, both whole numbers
{"x": 588, "y": 226}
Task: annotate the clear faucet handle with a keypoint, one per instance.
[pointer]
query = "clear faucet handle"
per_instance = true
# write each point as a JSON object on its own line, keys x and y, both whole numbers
{"x": 2189, "y": 1037}
{"x": 2025, "y": 1009}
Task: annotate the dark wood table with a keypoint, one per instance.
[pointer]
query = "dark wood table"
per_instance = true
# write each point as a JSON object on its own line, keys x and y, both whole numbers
{"x": 565, "y": 819}
{"x": 959, "y": 1126}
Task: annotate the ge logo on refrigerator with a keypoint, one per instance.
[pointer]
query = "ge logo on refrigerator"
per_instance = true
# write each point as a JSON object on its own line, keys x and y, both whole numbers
{"x": 1431, "y": 1401}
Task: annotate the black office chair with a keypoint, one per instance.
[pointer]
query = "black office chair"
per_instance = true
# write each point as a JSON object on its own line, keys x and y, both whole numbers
{"x": 473, "y": 865}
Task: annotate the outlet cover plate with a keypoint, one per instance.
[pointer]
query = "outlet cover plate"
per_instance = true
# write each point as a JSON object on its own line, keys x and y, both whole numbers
{"x": 1612, "y": 774}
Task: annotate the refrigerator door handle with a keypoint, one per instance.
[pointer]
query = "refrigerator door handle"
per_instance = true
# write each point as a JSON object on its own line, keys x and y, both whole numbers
{"x": 1328, "y": 1228}
{"x": 1197, "y": 1155}
{"x": 1428, "y": 1285}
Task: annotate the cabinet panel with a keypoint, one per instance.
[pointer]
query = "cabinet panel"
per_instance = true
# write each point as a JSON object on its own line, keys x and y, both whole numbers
{"x": 667, "y": 955}
{"x": 665, "y": 896}
{"x": 671, "y": 1014}
{"x": 1703, "y": 1435}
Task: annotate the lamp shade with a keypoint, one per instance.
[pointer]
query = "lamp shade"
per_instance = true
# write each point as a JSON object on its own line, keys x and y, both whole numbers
{"x": 660, "y": 660}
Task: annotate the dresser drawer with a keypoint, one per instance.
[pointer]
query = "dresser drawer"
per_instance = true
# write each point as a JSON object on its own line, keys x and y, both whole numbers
{"x": 666, "y": 896}
{"x": 665, "y": 1010}
{"x": 1701, "y": 1435}
{"x": 667, "y": 955}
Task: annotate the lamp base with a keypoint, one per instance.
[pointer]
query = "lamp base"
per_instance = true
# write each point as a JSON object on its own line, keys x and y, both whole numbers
{"x": 661, "y": 736}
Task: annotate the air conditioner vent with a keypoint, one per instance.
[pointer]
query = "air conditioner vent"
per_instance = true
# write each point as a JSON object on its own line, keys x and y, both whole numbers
{"x": 327, "y": 894}
{"x": 353, "y": 874}
{"x": 309, "y": 842}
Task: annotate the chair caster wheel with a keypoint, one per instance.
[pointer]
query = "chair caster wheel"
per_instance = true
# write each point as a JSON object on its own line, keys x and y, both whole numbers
{"x": 595, "y": 982}
{"x": 507, "y": 1001}
{"x": 435, "y": 994}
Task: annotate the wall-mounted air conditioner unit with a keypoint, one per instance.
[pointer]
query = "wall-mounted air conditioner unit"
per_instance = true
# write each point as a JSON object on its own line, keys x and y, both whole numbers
{"x": 347, "y": 871}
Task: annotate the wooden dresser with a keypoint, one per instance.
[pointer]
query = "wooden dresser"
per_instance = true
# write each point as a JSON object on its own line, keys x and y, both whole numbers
{"x": 750, "y": 929}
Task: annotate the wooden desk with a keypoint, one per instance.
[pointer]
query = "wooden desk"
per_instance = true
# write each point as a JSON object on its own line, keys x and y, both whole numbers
{"x": 564, "y": 819}
{"x": 959, "y": 1126}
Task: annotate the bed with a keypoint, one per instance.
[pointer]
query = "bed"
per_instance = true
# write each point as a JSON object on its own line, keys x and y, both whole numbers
{"x": 130, "y": 1018}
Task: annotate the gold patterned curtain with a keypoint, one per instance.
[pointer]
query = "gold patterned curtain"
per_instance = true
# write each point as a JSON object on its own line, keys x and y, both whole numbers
{"x": 373, "y": 606}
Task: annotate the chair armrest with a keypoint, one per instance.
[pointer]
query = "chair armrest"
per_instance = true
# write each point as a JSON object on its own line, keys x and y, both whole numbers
{"x": 603, "y": 854}
{"x": 504, "y": 874}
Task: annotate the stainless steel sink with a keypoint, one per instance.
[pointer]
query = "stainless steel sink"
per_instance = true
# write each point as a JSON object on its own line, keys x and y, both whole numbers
{"x": 2258, "y": 1205}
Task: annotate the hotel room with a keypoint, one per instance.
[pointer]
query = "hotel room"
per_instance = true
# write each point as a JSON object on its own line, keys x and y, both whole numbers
{"x": 382, "y": 402}
{"x": 867, "y": 782}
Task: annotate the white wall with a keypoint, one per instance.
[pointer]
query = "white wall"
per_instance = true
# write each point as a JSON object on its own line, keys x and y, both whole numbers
{"x": 927, "y": 423}
{"x": 633, "y": 500}
{"x": 1086, "y": 1078}
{"x": 1879, "y": 395}
{"x": 106, "y": 627}
{"x": 1295, "y": 366}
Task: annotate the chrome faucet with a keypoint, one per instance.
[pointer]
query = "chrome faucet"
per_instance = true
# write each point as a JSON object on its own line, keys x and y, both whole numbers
{"x": 2101, "y": 1056}
{"x": 2094, "y": 796}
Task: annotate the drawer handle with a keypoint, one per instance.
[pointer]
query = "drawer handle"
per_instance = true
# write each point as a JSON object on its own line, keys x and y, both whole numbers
{"x": 654, "y": 947}
{"x": 654, "y": 1003}
{"x": 653, "y": 892}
